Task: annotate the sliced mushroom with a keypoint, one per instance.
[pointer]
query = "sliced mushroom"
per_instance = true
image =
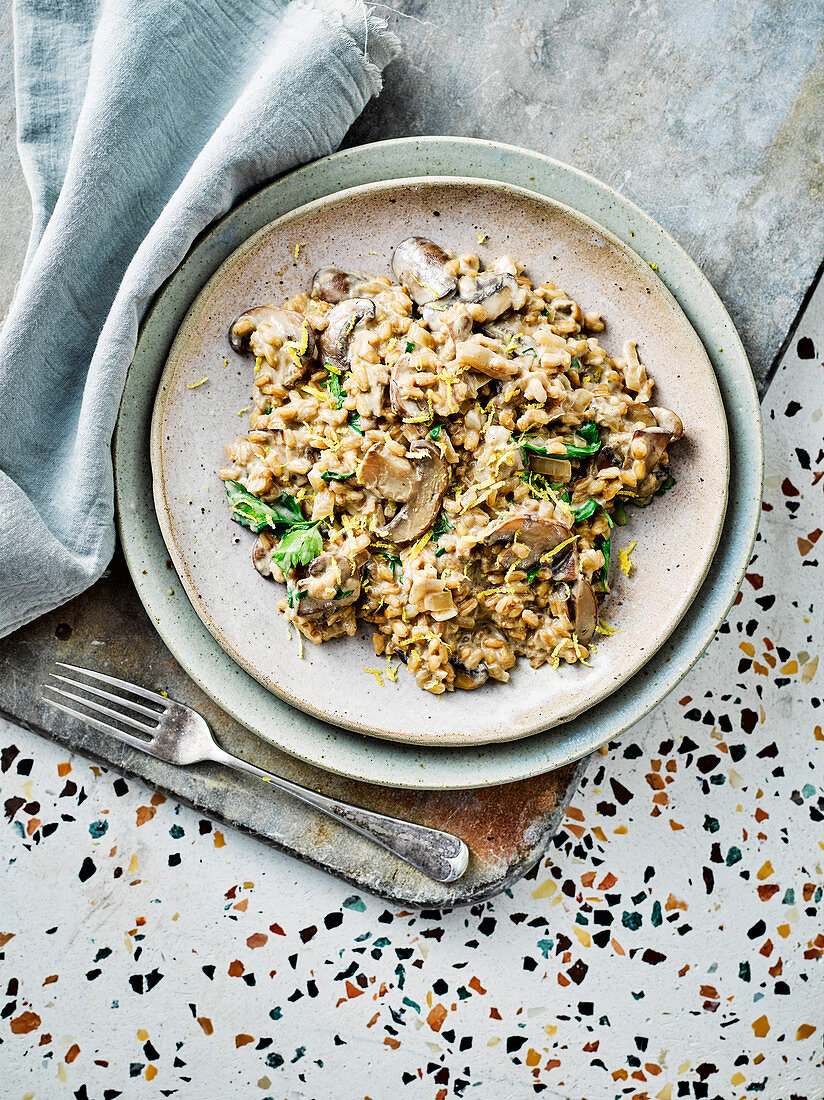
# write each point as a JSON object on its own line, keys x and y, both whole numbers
{"x": 483, "y": 355}
{"x": 538, "y": 535}
{"x": 467, "y": 679}
{"x": 495, "y": 292}
{"x": 429, "y": 487}
{"x": 388, "y": 476}
{"x": 586, "y": 609}
{"x": 566, "y": 567}
{"x": 420, "y": 267}
{"x": 342, "y": 322}
{"x": 330, "y": 284}
{"x": 262, "y": 553}
{"x": 330, "y": 571}
{"x": 280, "y": 328}
{"x": 400, "y": 381}
{"x": 669, "y": 421}
{"x": 647, "y": 445}
{"x": 640, "y": 415}
{"x": 559, "y": 469}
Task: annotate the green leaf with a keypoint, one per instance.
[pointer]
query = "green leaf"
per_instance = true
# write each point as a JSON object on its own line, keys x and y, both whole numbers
{"x": 665, "y": 486}
{"x": 435, "y": 433}
{"x": 334, "y": 386}
{"x": 298, "y": 547}
{"x": 293, "y": 593}
{"x": 439, "y": 551}
{"x": 254, "y": 514}
{"x": 575, "y": 363}
{"x": 545, "y": 312}
{"x": 332, "y": 475}
{"x": 410, "y": 347}
{"x": 620, "y": 514}
{"x": 585, "y": 510}
{"x": 589, "y": 432}
{"x": 442, "y": 526}
{"x": 354, "y": 423}
{"x": 605, "y": 548}
{"x": 533, "y": 573}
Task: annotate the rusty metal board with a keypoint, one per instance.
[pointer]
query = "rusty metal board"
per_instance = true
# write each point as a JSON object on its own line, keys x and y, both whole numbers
{"x": 507, "y": 827}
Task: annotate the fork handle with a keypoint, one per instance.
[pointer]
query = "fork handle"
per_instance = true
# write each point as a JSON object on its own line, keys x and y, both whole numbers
{"x": 439, "y": 855}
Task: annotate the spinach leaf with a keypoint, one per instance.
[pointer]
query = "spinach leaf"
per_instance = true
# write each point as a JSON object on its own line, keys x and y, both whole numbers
{"x": 665, "y": 486}
{"x": 354, "y": 423}
{"x": 442, "y": 526}
{"x": 605, "y": 548}
{"x": 254, "y": 514}
{"x": 533, "y": 573}
{"x": 435, "y": 433}
{"x": 298, "y": 547}
{"x": 332, "y": 475}
{"x": 410, "y": 347}
{"x": 585, "y": 510}
{"x": 620, "y": 514}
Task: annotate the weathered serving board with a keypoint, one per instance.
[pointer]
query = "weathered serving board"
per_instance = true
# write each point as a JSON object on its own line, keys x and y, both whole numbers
{"x": 507, "y": 828}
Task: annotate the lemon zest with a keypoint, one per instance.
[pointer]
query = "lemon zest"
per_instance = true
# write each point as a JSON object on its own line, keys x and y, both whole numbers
{"x": 551, "y": 553}
{"x": 624, "y": 557}
{"x": 603, "y": 627}
{"x": 194, "y": 385}
{"x": 392, "y": 672}
{"x": 376, "y": 672}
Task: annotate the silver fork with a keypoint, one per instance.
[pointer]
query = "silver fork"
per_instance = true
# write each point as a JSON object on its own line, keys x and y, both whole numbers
{"x": 179, "y": 735}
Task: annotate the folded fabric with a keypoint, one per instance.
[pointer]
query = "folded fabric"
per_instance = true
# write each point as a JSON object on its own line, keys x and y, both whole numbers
{"x": 139, "y": 123}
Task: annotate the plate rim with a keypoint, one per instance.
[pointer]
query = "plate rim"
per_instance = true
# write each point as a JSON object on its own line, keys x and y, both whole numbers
{"x": 176, "y": 553}
{"x": 419, "y": 767}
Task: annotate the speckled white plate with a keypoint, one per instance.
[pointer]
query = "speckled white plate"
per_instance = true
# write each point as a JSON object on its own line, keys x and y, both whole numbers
{"x": 357, "y": 230}
{"x": 330, "y": 746}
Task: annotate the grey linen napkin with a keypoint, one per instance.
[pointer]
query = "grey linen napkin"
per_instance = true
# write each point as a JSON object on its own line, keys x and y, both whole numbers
{"x": 139, "y": 123}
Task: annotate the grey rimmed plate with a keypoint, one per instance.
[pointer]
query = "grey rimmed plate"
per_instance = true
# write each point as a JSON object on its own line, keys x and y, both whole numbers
{"x": 358, "y": 229}
{"x": 330, "y": 746}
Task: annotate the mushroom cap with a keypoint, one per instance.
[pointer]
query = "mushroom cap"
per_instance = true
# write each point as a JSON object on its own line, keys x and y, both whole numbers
{"x": 431, "y": 481}
{"x": 654, "y": 441}
{"x": 467, "y": 679}
{"x": 285, "y": 325}
{"x": 640, "y": 415}
{"x": 495, "y": 292}
{"x": 262, "y": 553}
{"x": 538, "y": 535}
{"x": 401, "y": 378}
{"x": 387, "y": 475}
{"x": 586, "y": 609}
{"x": 331, "y": 284}
{"x": 340, "y": 572}
{"x": 342, "y": 321}
{"x": 420, "y": 267}
{"x": 669, "y": 421}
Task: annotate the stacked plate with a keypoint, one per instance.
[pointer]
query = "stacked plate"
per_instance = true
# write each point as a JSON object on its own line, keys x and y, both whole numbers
{"x": 350, "y": 210}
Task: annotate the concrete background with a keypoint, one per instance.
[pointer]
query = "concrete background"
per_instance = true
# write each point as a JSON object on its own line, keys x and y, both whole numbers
{"x": 707, "y": 114}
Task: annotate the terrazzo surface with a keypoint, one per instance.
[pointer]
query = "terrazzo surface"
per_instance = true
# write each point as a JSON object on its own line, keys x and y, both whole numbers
{"x": 669, "y": 945}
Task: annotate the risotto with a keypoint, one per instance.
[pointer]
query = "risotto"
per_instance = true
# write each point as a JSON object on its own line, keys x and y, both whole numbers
{"x": 444, "y": 457}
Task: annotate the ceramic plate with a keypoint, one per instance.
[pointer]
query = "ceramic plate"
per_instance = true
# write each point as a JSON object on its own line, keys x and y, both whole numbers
{"x": 341, "y": 750}
{"x": 357, "y": 230}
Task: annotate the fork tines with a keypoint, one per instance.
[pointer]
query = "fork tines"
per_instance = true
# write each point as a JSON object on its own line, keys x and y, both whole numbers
{"x": 125, "y": 716}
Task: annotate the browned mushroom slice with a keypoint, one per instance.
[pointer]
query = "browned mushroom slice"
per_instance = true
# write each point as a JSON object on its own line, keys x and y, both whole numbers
{"x": 565, "y": 567}
{"x": 262, "y": 553}
{"x": 647, "y": 445}
{"x": 431, "y": 480}
{"x": 558, "y": 469}
{"x": 401, "y": 381}
{"x": 420, "y": 267}
{"x": 342, "y": 322}
{"x": 388, "y": 476}
{"x": 669, "y": 421}
{"x": 640, "y": 415}
{"x": 330, "y": 284}
{"x": 495, "y": 292}
{"x": 586, "y": 609}
{"x": 282, "y": 328}
{"x": 539, "y": 536}
{"x": 330, "y": 571}
{"x": 467, "y": 679}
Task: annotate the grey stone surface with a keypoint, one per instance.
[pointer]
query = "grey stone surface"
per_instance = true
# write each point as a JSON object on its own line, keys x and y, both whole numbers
{"x": 708, "y": 115}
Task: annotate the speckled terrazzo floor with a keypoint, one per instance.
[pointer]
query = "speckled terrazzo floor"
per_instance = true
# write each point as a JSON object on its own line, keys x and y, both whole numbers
{"x": 670, "y": 944}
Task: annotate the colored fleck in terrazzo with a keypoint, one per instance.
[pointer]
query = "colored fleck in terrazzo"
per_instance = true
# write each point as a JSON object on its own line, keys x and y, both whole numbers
{"x": 670, "y": 945}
